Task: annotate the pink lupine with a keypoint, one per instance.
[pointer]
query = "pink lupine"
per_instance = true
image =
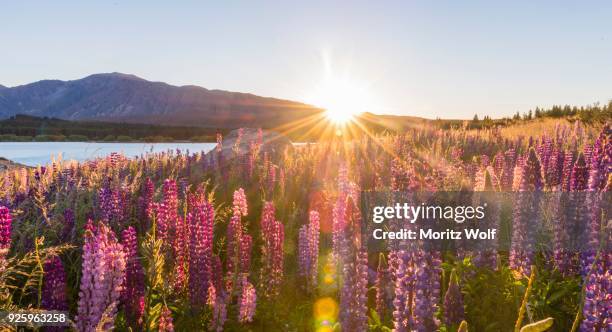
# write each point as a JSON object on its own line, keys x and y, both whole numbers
{"x": 234, "y": 235}
{"x": 246, "y": 245}
{"x": 167, "y": 212}
{"x": 240, "y": 204}
{"x": 133, "y": 294}
{"x": 180, "y": 250}
{"x": 273, "y": 234}
{"x": 248, "y": 302}
{"x": 165, "y": 321}
{"x": 103, "y": 273}
{"x": 238, "y": 244}
{"x": 5, "y": 229}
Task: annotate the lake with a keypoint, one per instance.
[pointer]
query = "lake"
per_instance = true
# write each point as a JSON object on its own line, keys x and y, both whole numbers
{"x": 42, "y": 153}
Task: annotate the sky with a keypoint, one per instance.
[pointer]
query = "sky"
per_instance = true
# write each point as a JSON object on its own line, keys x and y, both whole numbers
{"x": 448, "y": 59}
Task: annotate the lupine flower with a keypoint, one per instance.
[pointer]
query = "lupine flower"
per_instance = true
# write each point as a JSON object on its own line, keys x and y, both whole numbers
{"x": 145, "y": 202}
{"x": 308, "y": 244}
{"x": 5, "y": 228}
{"x": 427, "y": 290}
{"x": 453, "y": 302}
{"x": 404, "y": 290}
{"x": 507, "y": 177}
{"x": 353, "y": 296}
{"x": 68, "y": 225}
{"x": 54, "y": 296}
{"x": 219, "y": 311}
{"x": 382, "y": 275}
{"x": 180, "y": 249}
{"x": 103, "y": 273}
{"x": 165, "y": 321}
{"x": 167, "y": 212}
{"x": 598, "y": 295}
{"x": 201, "y": 221}
{"x": 246, "y": 244}
{"x": 580, "y": 175}
{"x": 273, "y": 235}
{"x": 133, "y": 294}
{"x": 568, "y": 165}
{"x": 248, "y": 302}
{"x": 240, "y": 204}
{"x": 526, "y": 215}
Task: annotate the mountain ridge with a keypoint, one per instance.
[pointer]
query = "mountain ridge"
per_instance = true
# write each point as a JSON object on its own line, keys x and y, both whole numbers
{"x": 119, "y": 97}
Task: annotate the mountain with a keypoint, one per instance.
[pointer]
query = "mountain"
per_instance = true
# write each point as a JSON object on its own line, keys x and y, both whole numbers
{"x": 118, "y": 97}
{"x": 2, "y": 87}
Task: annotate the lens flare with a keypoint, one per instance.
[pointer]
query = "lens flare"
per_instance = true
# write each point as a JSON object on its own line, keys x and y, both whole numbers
{"x": 325, "y": 309}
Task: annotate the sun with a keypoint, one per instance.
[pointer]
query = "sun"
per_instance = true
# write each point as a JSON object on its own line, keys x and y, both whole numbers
{"x": 342, "y": 99}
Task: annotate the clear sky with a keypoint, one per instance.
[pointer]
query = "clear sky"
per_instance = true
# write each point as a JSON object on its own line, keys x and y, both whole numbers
{"x": 450, "y": 59}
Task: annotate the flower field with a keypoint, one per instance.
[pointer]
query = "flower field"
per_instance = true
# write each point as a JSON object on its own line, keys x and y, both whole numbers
{"x": 267, "y": 239}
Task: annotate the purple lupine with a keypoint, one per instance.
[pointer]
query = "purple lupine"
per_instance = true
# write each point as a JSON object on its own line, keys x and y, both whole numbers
{"x": 554, "y": 171}
{"x": 273, "y": 235}
{"x": 201, "y": 221}
{"x": 68, "y": 228}
{"x": 597, "y": 308}
{"x": 133, "y": 293}
{"x": 354, "y": 267}
{"x": 248, "y": 302}
{"x": 404, "y": 290}
{"x": 103, "y": 273}
{"x": 5, "y": 229}
{"x": 508, "y": 171}
{"x": 165, "y": 321}
{"x": 568, "y": 165}
{"x": 382, "y": 274}
{"x": 526, "y": 214}
{"x": 580, "y": 174}
{"x": 599, "y": 164}
{"x": 454, "y": 312}
{"x": 353, "y": 295}
{"x": 308, "y": 244}
{"x": 54, "y": 296}
{"x": 218, "y": 303}
{"x": 427, "y": 290}
{"x": 145, "y": 203}
{"x": 167, "y": 212}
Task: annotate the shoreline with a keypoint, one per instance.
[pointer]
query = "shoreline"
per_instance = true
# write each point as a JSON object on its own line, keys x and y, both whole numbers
{"x": 7, "y": 165}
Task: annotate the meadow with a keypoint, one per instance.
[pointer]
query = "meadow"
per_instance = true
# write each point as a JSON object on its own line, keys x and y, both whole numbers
{"x": 254, "y": 237}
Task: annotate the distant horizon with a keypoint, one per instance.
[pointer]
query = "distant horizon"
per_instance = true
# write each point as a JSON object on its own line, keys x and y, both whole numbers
{"x": 300, "y": 101}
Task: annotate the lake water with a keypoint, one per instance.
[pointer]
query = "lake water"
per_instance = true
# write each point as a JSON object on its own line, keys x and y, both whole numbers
{"x": 42, "y": 153}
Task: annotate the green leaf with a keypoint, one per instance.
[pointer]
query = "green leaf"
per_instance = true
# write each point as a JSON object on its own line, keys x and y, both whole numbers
{"x": 540, "y": 326}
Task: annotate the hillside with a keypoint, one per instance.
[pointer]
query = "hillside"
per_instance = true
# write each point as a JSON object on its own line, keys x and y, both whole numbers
{"x": 119, "y": 97}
